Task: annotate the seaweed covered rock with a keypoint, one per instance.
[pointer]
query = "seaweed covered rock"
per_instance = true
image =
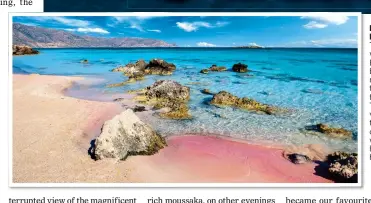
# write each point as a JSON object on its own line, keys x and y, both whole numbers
{"x": 177, "y": 109}
{"x": 216, "y": 68}
{"x": 23, "y": 50}
{"x": 224, "y": 98}
{"x": 167, "y": 94}
{"x": 126, "y": 135}
{"x": 168, "y": 90}
{"x": 343, "y": 167}
{"x": 159, "y": 67}
{"x": 240, "y": 67}
{"x": 204, "y": 71}
{"x": 330, "y": 131}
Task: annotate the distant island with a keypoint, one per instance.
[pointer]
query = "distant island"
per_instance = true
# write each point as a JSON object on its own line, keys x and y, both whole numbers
{"x": 251, "y": 47}
{"x": 39, "y": 37}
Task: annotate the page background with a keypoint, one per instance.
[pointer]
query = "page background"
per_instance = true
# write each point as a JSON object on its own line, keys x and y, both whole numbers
{"x": 142, "y": 193}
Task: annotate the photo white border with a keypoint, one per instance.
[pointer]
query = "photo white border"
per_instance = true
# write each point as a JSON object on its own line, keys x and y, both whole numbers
{"x": 189, "y": 185}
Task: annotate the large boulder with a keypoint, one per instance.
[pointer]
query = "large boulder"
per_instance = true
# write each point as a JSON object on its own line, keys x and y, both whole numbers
{"x": 343, "y": 167}
{"x": 160, "y": 67}
{"x": 23, "y": 50}
{"x": 168, "y": 90}
{"x": 240, "y": 68}
{"x": 224, "y": 98}
{"x": 126, "y": 135}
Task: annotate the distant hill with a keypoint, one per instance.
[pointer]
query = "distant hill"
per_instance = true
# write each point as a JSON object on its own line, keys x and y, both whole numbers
{"x": 39, "y": 37}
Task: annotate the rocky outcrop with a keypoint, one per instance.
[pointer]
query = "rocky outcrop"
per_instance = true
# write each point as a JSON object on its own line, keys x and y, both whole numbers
{"x": 330, "y": 131}
{"x": 224, "y": 98}
{"x": 127, "y": 135}
{"x": 141, "y": 68}
{"x": 160, "y": 67}
{"x": 169, "y": 90}
{"x": 240, "y": 68}
{"x": 23, "y": 50}
{"x": 204, "y": 71}
{"x": 167, "y": 94}
{"x": 343, "y": 167}
{"x": 216, "y": 68}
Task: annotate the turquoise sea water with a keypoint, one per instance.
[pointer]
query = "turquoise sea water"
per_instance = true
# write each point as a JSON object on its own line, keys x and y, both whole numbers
{"x": 319, "y": 85}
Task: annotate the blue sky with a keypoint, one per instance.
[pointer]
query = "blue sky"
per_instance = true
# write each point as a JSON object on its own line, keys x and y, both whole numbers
{"x": 273, "y": 31}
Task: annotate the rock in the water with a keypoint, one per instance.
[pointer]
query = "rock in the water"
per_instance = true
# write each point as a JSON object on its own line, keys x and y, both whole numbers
{"x": 167, "y": 94}
{"x": 207, "y": 91}
{"x": 204, "y": 71}
{"x": 298, "y": 158}
{"x": 126, "y": 135}
{"x": 23, "y": 50}
{"x": 216, "y": 68}
{"x": 169, "y": 90}
{"x": 224, "y": 98}
{"x": 159, "y": 67}
{"x": 240, "y": 67}
{"x": 178, "y": 109}
{"x": 330, "y": 131}
{"x": 343, "y": 167}
{"x": 139, "y": 108}
{"x": 84, "y": 61}
{"x": 119, "y": 69}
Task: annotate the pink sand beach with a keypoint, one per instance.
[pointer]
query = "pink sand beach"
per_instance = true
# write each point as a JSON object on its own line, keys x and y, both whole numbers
{"x": 52, "y": 134}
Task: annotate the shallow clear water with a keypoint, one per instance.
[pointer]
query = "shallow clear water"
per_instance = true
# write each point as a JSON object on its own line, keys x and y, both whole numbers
{"x": 319, "y": 85}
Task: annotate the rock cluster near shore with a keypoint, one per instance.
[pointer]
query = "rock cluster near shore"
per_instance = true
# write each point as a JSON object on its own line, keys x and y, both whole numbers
{"x": 340, "y": 133}
{"x": 138, "y": 70}
{"x": 167, "y": 94}
{"x": 23, "y": 50}
{"x": 343, "y": 167}
{"x": 142, "y": 68}
{"x": 127, "y": 135}
{"x": 224, "y": 98}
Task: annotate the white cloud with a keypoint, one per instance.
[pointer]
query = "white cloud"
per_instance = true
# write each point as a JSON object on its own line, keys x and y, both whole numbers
{"x": 328, "y": 19}
{"x": 194, "y": 26}
{"x": 88, "y": 30}
{"x": 314, "y": 25}
{"x": 31, "y": 24}
{"x": 205, "y": 44}
{"x": 63, "y": 20}
{"x": 158, "y": 31}
{"x": 133, "y": 22}
{"x": 253, "y": 44}
{"x": 336, "y": 42}
{"x": 136, "y": 27}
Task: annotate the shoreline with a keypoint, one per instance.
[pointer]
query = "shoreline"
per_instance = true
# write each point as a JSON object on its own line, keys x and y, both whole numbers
{"x": 50, "y": 128}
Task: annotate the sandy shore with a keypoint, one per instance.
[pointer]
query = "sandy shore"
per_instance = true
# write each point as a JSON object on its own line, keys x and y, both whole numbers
{"x": 52, "y": 134}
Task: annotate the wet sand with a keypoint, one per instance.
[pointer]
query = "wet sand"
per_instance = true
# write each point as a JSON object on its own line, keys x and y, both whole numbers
{"x": 52, "y": 134}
